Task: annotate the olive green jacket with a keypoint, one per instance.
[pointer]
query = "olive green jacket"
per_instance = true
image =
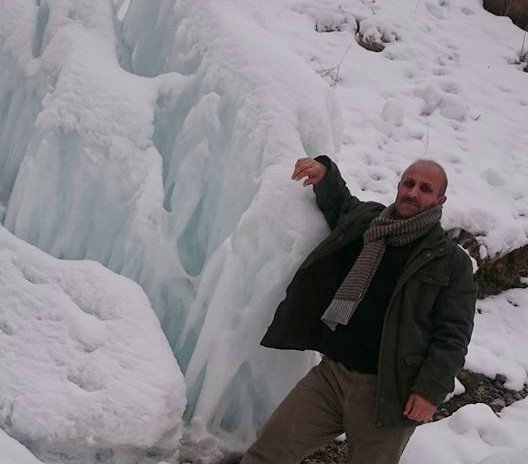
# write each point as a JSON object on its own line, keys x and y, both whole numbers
{"x": 429, "y": 319}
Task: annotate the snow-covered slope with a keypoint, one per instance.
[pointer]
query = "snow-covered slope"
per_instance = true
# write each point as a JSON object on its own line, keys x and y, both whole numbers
{"x": 161, "y": 146}
{"x": 85, "y": 368}
{"x": 14, "y": 453}
{"x": 473, "y": 435}
{"x": 499, "y": 342}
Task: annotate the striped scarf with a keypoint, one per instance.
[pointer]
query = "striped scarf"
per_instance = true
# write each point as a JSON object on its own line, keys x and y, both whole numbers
{"x": 383, "y": 230}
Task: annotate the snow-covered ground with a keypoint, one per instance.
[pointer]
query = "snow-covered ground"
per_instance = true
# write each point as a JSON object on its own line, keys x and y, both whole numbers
{"x": 85, "y": 367}
{"x": 157, "y": 138}
{"x": 13, "y": 452}
{"x": 499, "y": 343}
{"x": 473, "y": 435}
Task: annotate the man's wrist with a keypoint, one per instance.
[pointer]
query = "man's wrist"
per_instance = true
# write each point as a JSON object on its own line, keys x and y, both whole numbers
{"x": 328, "y": 164}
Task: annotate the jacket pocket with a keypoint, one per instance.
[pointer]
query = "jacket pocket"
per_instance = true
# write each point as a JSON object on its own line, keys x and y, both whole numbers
{"x": 410, "y": 368}
{"x": 422, "y": 292}
{"x": 432, "y": 278}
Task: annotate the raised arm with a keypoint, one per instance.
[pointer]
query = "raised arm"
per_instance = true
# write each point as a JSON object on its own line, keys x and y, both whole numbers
{"x": 331, "y": 193}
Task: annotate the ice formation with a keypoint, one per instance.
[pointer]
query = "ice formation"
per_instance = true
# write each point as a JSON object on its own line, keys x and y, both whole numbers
{"x": 153, "y": 176}
{"x": 86, "y": 370}
{"x": 161, "y": 145}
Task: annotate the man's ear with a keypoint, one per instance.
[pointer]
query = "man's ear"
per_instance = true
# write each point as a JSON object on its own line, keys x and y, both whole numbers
{"x": 441, "y": 199}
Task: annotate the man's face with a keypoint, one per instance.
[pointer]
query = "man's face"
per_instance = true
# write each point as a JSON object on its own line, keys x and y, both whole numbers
{"x": 419, "y": 189}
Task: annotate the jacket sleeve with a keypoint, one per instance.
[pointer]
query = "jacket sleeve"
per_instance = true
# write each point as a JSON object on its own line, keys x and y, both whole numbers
{"x": 453, "y": 324}
{"x": 332, "y": 195}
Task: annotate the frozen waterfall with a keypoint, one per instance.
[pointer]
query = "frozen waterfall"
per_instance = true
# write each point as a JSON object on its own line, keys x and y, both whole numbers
{"x": 159, "y": 148}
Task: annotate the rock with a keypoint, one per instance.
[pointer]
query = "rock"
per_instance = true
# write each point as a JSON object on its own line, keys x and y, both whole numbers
{"x": 497, "y": 404}
{"x": 369, "y": 43}
{"x": 517, "y": 10}
{"x": 494, "y": 275}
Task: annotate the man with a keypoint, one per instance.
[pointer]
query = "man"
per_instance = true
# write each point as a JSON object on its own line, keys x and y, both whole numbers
{"x": 389, "y": 301}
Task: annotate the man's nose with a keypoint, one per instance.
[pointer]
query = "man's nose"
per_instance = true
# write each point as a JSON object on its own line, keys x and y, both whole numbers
{"x": 413, "y": 193}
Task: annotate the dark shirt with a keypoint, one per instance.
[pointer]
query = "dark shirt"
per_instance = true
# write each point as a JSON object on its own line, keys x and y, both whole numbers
{"x": 356, "y": 345}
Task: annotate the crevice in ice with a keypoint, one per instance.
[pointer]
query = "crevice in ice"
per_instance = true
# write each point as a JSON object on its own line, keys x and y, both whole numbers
{"x": 123, "y": 49}
{"x": 193, "y": 393}
{"x": 189, "y": 331}
{"x": 149, "y": 60}
{"x": 148, "y": 53}
{"x": 19, "y": 107}
{"x": 122, "y": 8}
{"x": 173, "y": 303}
{"x": 189, "y": 158}
{"x": 40, "y": 29}
{"x": 186, "y": 345}
{"x": 190, "y": 248}
{"x": 169, "y": 118}
{"x": 231, "y": 414}
{"x": 167, "y": 198}
{"x": 184, "y": 354}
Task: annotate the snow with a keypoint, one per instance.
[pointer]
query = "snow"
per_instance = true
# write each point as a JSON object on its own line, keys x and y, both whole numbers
{"x": 157, "y": 138}
{"x": 472, "y": 435}
{"x": 14, "y": 453}
{"x": 85, "y": 366}
{"x": 499, "y": 343}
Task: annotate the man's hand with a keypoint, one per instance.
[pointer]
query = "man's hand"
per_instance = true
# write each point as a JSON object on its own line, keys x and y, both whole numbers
{"x": 419, "y": 409}
{"x": 308, "y": 167}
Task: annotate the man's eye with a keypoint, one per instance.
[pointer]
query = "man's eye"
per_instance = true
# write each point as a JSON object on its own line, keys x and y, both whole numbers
{"x": 426, "y": 188}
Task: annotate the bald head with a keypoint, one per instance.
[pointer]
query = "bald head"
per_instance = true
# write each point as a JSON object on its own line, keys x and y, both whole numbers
{"x": 423, "y": 185}
{"x": 428, "y": 163}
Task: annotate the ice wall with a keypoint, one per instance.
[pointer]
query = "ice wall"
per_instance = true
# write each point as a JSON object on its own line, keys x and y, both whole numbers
{"x": 161, "y": 149}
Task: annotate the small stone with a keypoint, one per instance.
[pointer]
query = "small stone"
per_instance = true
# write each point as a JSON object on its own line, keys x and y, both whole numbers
{"x": 497, "y": 404}
{"x": 500, "y": 379}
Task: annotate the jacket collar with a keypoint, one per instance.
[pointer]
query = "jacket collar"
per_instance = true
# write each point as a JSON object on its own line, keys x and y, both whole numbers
{"x": 434, "y": 240}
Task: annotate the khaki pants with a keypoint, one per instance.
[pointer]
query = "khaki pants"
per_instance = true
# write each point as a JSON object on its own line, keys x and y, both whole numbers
{"x": 328, "y": 401}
